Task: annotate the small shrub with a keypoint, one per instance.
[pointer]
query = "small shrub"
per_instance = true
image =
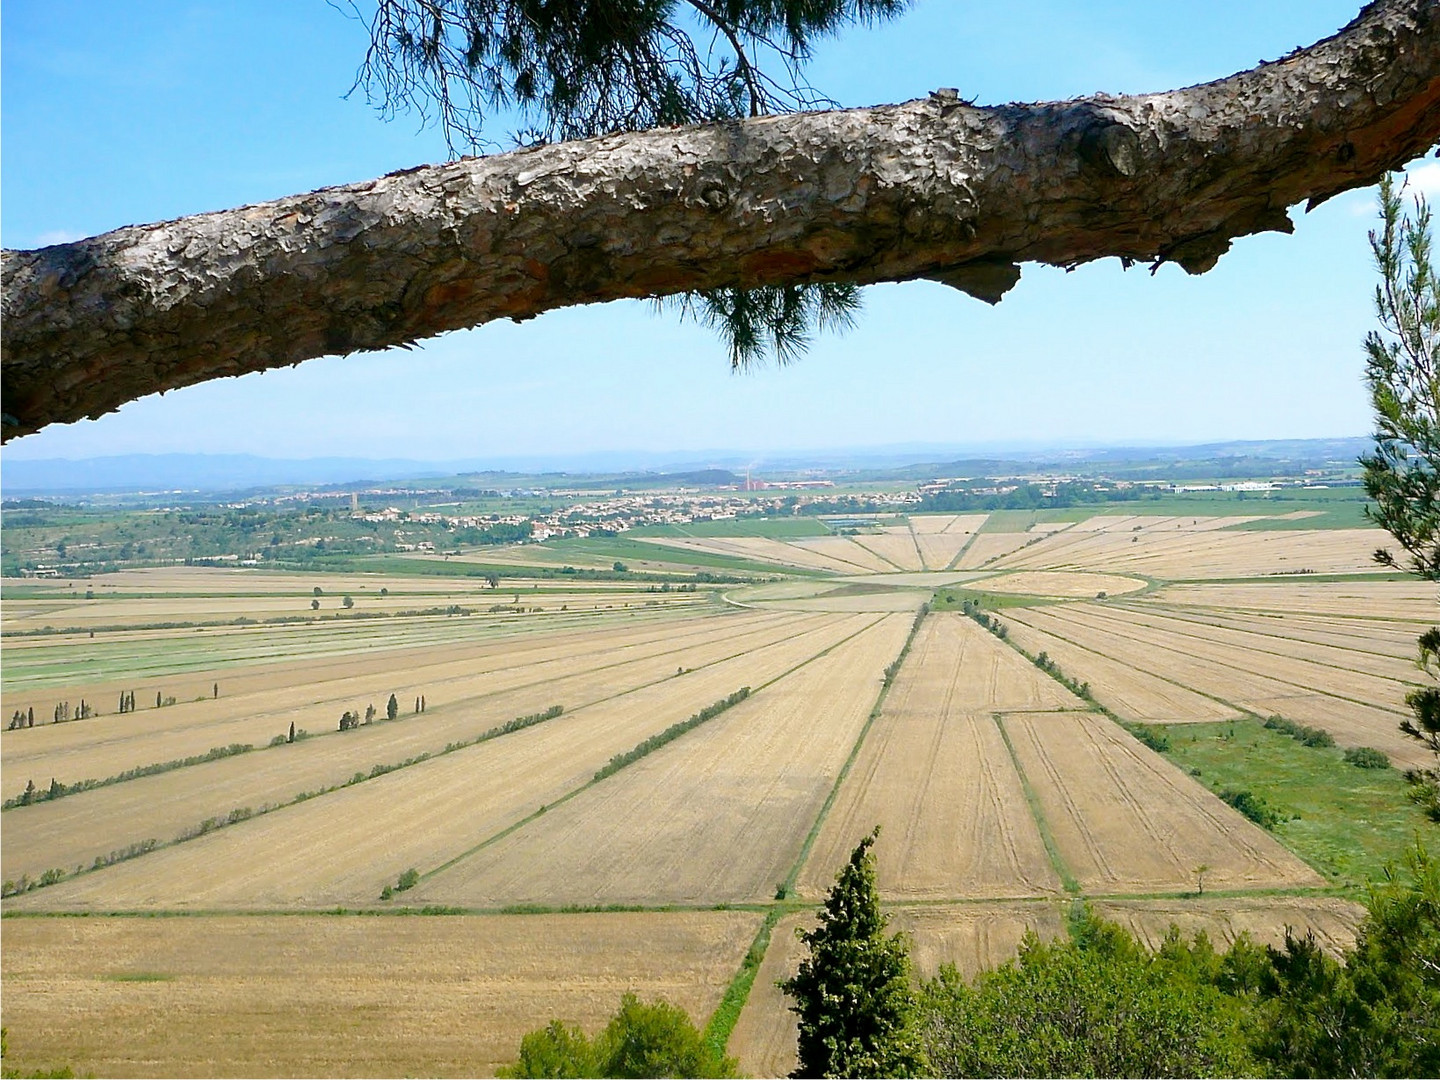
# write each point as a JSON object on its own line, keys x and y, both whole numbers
{"x": 1309, "y": 736}
{"x": 1253, "y": 807}
{"x": 1367, "y": 757}
{"x": 1153, "y": 738}
{"x": 408, "y": 880}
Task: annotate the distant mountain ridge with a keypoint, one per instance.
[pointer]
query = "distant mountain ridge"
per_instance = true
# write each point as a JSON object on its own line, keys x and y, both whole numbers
{"x": 221, "y": 473}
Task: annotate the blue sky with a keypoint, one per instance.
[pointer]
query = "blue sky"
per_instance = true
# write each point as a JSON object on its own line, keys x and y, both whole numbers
{"x": 114, "y": 114}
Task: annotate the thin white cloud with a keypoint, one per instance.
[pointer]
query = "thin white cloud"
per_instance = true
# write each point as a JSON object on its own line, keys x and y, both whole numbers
{"x": 58, "y": 236}
{"x": 1423, "y": 180}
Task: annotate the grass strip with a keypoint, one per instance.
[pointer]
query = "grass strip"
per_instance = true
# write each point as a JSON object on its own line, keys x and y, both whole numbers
{"x": 1348, "y": 821}
{"x": 57, "y": 790}
{"x": 1041, "y": 823}
{"x": 520, "y": 824}
{"x": 670, "y": 734}
{"x": 727, "y": 1013}
{"x": 57, "y": 874}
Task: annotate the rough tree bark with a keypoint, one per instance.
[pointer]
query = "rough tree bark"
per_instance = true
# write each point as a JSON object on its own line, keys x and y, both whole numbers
{"x": 933, "y": 188}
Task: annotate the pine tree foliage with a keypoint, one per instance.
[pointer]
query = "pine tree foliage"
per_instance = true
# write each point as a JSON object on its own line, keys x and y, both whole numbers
{"x": 1402, "y": 474}
{"x": 853, "y": 993}
{"x": 577, "y": 68}
{"x": 572, "y": 69}
{"x": 1402, "y": 368}
{"x": 1378, "y": 1012}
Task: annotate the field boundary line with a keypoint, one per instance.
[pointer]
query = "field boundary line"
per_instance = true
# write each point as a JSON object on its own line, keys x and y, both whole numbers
{"x": 592, "y": 781}
{"x": 1114, "y": 660}
{"x": 1234, "y": 667}
{"x": 953, "y": 564}
{"x": 1042, "y": 824}
{"x": 794, "y": 875}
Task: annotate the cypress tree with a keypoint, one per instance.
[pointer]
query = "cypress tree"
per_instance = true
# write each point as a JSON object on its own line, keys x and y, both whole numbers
{"x": 392, "y": 708}
{"x": 852, "y": 993}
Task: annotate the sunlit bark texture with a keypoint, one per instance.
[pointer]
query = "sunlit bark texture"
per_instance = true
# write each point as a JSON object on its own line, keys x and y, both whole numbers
{"x": 933, "y": 188}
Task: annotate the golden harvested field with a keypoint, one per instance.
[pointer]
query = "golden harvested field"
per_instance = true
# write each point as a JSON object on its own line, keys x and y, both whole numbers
{"x": 79, "y": 828}
{"x": 955, "y": 524}
{"x": 717, "y": 816}
{"x": 1357, "y": 707}
{"x": 344, "y": 847}
{"x": 896, "y": 545}
{"x": 334, "y": 996}
{"x": 845, "y": 553}
{"x": 1128, "y": 692}
{"x": 988, "y": 547}
{"x": 935, "y": 775}
{"x": 939, "y": 550}
{"x": 258, "y": 706}
{"x": 970, "y": 936}
{"x": 1165, "y": 549}
{"x": 1264, "y": 918}
{"x": 1408, "y": 601}
{"x": 1126, "y": 820}
{"x": 1070, "y": 586}
{"x": 1357, "y": 636}
{"x": 995, "y": 786}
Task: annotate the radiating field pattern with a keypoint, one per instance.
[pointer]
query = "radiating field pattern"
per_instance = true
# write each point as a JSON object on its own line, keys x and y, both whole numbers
{"x": 1005, "y": 789}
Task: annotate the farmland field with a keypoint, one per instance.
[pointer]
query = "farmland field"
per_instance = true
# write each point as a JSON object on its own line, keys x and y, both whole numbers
{"x": 385, "y": 996}
{"x": 413, "y": 894}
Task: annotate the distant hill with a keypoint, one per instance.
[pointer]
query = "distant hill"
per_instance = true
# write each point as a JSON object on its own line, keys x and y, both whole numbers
{"x": 212, "y": 474}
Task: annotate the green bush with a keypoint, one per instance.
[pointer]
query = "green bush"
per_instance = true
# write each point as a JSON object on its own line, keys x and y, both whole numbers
{"x": 1100, "y": 1004}
{"x": 642, "y": 1039}
{"x": 1310, "y": 736}
{"x": 1253, "y": 807}
{"x": 1366, "y": 757}
{"x": 1154, "y": 738}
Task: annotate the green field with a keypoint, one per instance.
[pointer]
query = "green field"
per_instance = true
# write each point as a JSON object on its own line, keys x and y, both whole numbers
{"x": 1347, "y": 822}
{"x": 623, "y": 549}
{"x": 777, "y": 528}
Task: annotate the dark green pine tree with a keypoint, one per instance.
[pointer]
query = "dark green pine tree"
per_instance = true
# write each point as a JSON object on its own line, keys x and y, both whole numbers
{"x": 1402, "y": 473}
{"x": 853, "y": 993}
{"x": 392, "y": 708}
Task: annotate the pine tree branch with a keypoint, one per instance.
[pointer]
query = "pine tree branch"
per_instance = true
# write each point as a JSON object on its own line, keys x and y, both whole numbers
{"x": 932, "y": 188}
